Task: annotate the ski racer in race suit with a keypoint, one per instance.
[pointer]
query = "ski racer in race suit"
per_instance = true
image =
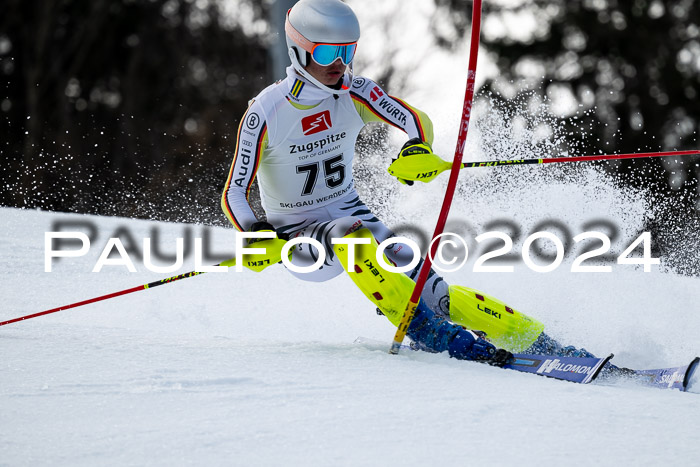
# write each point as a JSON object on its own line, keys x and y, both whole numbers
{"x": 298, "y": 139}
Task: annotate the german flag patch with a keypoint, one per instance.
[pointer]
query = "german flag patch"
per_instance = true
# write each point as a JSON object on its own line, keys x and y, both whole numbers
{"x": 296, "y": 88}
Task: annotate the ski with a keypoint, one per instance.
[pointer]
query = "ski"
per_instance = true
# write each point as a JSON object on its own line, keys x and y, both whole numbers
{"x": 581, "y": 370}
{"x": 662, "y": 378}
{"x": 573, "y": 369}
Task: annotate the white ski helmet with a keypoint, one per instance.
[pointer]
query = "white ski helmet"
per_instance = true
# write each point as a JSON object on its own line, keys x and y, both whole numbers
{"x": 313, "y": 24}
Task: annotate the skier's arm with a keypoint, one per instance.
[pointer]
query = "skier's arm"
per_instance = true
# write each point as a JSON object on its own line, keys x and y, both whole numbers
{"x": 373, "y": 104}
{"x": 250, "y": 144}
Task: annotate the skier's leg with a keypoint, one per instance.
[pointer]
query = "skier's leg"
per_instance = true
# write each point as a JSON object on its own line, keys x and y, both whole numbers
{"x": 506, "y": 327}
{"x": 436, "y": 334}
{"x": 435, "y": 290}
{"x": 468, "y": 308}
{"x": 305, "y": 255}
{"x": 353, "y": 209}
{"x": 546, "y": 345}
{"x": 389, "y": 291}
{"x": 503, "y": 325}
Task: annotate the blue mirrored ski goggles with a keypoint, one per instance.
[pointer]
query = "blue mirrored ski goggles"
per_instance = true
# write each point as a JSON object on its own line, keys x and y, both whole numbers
{"x": 326, "y": 54}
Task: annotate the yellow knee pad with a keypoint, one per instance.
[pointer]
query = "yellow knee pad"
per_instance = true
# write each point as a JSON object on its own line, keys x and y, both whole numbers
{"x": 504, "y": 326}
{"x": 389, "y": 291}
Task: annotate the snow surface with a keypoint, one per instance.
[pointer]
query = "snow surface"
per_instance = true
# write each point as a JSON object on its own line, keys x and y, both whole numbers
{"x": 262, "y": 369}
{"x": 246, "y": 369}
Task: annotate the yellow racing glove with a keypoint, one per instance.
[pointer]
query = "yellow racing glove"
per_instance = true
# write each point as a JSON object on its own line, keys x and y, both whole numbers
{"x": 416, "y": 161}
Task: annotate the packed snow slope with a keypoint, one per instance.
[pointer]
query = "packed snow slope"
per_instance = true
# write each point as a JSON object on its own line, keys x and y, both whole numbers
{"x": 244, "y": 369}
{"x": 261, "y": 369}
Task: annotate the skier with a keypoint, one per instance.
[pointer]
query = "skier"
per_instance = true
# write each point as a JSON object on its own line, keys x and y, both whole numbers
{"x": 298, "y": 138}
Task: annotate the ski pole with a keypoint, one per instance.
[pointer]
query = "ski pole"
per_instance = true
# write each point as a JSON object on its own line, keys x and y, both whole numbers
{"x": 601, "y": 157}
{"x": 452, "y": 183}
{"x": 425, "y": 168}
{"x": 150, "y": 285}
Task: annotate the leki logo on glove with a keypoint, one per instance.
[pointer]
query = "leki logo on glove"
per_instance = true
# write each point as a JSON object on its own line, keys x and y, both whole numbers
{"x": 316, "y": 123}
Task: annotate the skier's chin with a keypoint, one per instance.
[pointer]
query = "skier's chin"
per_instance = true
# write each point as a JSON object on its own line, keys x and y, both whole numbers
{"x": 333, "y": 79}
{"x": 329, "y": 76}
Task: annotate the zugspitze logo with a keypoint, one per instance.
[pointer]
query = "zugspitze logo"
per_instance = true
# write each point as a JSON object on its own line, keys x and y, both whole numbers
{"x": 316, "y": 123}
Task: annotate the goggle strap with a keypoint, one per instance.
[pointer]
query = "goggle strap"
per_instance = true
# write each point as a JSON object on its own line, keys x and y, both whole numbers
{"x": 296, "y": 36}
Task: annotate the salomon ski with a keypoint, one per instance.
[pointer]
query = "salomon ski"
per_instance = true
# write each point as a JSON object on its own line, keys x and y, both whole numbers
{"x": 662, "y": 378}
{"x": 574, "y": 369}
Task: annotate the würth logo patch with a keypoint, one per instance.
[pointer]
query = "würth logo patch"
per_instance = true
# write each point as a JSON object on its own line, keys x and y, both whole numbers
{"x": 375, "y": 94}
{"x": 316, "y": 123}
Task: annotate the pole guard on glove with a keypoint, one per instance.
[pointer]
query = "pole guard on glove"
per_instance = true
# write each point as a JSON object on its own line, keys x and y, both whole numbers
{"x": 258, "y": 262}
{"x": 422, "y": 165}
{"x": 415, "y": 161}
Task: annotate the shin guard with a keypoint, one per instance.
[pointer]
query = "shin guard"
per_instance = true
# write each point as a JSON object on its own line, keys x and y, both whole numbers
{"x": 504, "y": 326}
{"x": 389, "y": 291}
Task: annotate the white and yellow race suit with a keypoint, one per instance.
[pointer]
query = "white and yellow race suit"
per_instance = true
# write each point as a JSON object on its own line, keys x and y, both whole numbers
{"x": 299, "y": 142}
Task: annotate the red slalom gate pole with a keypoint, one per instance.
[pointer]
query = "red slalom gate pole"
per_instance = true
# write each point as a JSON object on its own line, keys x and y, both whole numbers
{"x": 451, "y": 185}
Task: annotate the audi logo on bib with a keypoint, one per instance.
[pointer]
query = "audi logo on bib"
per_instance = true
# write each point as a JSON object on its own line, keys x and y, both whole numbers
{"x": 316, "y": 123}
